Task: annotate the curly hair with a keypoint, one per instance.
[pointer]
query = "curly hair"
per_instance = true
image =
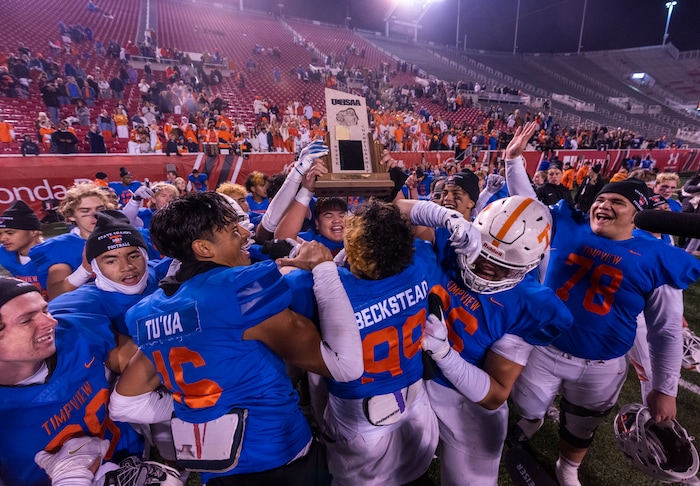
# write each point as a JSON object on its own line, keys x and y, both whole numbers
{"x": 194, "y": 216}
{"x": 378, "y": 240}
{"x": 234, "y": 191}
{"x": 256, "y": 178}
{"x": 75, "y": 195}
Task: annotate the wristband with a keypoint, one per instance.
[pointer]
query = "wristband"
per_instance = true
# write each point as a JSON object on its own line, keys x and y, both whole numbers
{"x": 303, "y": 196}
{"x": 79, "y": 277}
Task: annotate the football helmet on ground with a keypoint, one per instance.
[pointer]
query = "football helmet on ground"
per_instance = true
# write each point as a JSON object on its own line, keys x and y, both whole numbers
{"x": 662, "y": 450}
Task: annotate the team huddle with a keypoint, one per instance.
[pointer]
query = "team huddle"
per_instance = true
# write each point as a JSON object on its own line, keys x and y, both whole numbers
{"x": 317, "y": 346}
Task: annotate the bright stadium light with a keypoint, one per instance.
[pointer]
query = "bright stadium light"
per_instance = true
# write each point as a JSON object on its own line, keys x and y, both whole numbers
{"x": 669, "y": 6}
{"x": 638, "y": 76}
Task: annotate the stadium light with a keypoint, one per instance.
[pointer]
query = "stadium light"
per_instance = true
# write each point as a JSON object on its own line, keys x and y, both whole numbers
{"x": 669, "y": 6}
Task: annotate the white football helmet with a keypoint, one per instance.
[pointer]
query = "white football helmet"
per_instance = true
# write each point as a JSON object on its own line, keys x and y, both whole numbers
{"x": 691, "y": 350}
{"x": 662, "y": 450}
{"x": 243, "y": 220}
{"x": 515, "y": 235}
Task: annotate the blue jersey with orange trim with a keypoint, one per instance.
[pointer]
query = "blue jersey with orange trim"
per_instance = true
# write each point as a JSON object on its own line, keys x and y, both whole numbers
{"x": 257, "y": 207}
{"x": 195, "y": 339}
{"x": 66, "y": 248}
{"x": 475, "y": 321}
{"x": 605, "y": 283}
{"x": 125, "y": 193}
{"x": 390, "y": 314}
{"x": 71, "y": 403}
{"x": 9, "y": 260}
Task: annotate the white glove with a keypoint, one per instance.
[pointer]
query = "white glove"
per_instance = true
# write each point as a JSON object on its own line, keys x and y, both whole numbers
{"x": 69, "y": 466}
{"x": 307, "y": 156}
{"x": 435, "y": 341}
{"x": 494, "y": 183}
{"x": 464, "y": 236}
{"x": 142, "y": 193}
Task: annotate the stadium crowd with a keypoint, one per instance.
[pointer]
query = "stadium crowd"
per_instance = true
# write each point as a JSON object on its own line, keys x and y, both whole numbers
{"x": 260, "y": 335}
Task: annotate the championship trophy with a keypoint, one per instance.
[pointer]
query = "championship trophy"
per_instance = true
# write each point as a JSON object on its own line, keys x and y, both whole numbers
{"x": 353, "y": 160}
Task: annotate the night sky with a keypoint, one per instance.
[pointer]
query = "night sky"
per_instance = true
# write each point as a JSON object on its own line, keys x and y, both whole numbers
{"x": 545, "y": 25}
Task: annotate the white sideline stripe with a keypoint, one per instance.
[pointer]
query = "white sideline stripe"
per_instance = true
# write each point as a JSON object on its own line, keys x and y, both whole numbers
{"x": 689, "y": 386}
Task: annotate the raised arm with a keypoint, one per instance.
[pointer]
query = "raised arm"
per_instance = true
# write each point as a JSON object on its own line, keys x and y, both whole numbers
{"x": 516, "y": 176}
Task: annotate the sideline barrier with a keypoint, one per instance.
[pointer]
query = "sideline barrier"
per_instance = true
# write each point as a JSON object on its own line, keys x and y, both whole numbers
{"x": 34, "y": 179}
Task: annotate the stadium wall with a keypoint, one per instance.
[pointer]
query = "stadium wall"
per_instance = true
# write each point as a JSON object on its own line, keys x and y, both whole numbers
{"x": 34, "y": 179}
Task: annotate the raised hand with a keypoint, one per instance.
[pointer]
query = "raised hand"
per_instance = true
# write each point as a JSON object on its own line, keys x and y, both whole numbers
{"x": 522, "y": 136}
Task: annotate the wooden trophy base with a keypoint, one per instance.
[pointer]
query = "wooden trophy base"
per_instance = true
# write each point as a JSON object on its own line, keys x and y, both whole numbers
{"x": 343, "y": 185}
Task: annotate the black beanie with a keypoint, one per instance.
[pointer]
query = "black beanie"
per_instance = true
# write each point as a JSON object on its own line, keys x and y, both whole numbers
{"x": 13, "y": 287}
{"x": 112, "y": 231}
{"x": 19, "y": 216}
{"x": 656, "y": 200}
{"x": 468, "y": 181}
{"x": 635, "y": 190}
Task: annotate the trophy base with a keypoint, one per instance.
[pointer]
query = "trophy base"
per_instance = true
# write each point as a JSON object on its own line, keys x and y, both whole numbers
{"x": 342, "y": 185}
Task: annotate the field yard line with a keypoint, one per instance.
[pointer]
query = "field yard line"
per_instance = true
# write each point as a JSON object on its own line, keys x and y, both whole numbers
{"x": 689, "y": 386}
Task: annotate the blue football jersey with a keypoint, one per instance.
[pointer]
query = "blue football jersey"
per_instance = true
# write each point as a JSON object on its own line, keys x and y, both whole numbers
{"x": 390, "y": 314}
{"x": 604, "y": 283}
{"x": 66, "y": 248}
{"x": 124, "y": 192}
{"x": 475, "y": 321}
{"x": 195, "y": 339}
{"x": 23, "y": 271}
{"x": 71, "y": 403}
{"x": 257, "y": 207}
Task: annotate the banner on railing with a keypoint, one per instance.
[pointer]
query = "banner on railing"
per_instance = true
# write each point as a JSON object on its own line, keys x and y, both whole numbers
{"x": 34, "y": 179}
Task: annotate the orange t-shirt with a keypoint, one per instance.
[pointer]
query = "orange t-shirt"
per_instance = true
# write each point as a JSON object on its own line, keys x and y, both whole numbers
{"x": 6, "y": 131}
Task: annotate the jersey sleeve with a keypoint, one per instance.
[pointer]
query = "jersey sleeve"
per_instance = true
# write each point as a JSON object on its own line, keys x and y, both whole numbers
{"x": 261, "y": 291}
{"x": 301, "y": 284}
{"x": 66, "y": 249}
{"x": 543, "y": 316}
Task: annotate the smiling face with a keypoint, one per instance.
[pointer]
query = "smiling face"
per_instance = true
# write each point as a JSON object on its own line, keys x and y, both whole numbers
{"x": 331, "y": 224}
{"x": 125, "y": 266}
{"x": 26, "y": 337}
{"x": 454, "y": 197}
{"x": 227, "y": 244}
{"x": 612, "y": 216}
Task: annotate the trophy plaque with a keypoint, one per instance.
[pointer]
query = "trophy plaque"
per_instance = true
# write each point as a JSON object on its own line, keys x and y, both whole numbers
{"x": 353, "y": 159}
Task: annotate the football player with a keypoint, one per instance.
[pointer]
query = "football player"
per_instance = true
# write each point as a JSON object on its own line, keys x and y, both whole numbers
{"x": 59, "y": 259}
{"x": 606, "y": 278}
{"x": 54, "y": 394}
{"x": 217, "y": 332}
{"x": 20, "y": 230}
{"x": 494, "y": 315}
{"x": 382, "y": 430}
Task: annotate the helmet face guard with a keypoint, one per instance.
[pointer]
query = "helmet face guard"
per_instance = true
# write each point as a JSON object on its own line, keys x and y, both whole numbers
{"x": 662, "y": 450}
{"x": 515, "y": 233}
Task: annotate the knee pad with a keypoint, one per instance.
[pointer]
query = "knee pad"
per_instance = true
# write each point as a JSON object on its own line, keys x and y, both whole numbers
{"x": 578, "y": 424}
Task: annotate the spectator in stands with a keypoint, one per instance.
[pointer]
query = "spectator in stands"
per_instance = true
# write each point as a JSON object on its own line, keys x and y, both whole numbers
{"x": 7, "y": 133}
{"x": 667, "y": 185}
{"x": 117, "y": 87}
{"x": 96, "y": 140}
{"x": 582, "y": 173}
{"x": 64, "y": 141}
{"x": 29, "y": 146}
{"x": 83, "y": 113}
